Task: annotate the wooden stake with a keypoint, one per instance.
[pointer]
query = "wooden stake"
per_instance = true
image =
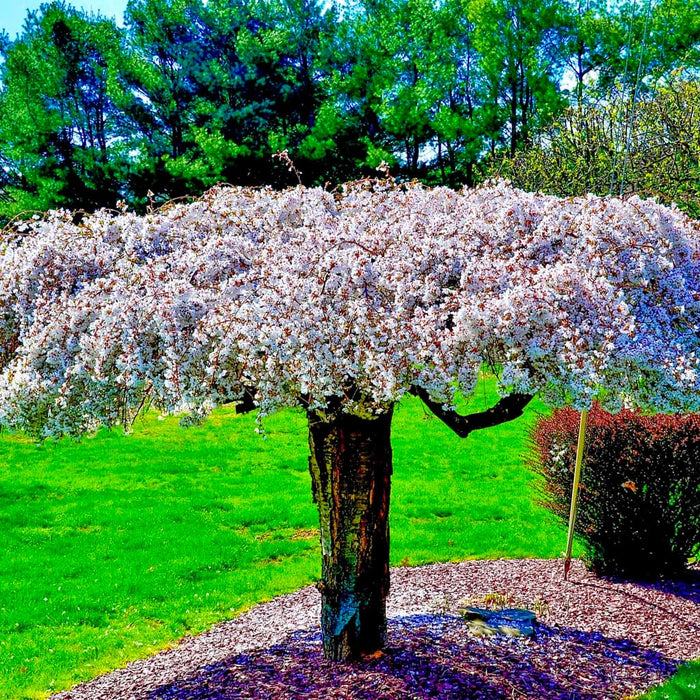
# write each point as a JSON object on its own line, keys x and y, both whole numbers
{"x": 574, "y": 493}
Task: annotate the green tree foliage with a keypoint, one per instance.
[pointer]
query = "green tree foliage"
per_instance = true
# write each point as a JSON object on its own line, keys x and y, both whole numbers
{"x": 189, "y": 93}
{"x": 402, "y": 90}
{"x": 586, "y": 48}
{"x": 161, "y": 66}
{"x": 582, "y": 152}
{"x": 58, "y": 116}
{"x": 521, "y": 44}
{"x": 652, "y": 38}
{"x": 460, "y": 112}
{"x": 222, "y": 86}
{"x": 631, "y": 125}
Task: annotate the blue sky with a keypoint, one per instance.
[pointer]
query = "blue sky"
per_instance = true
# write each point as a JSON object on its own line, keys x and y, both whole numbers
{"x": 13, "y": 12}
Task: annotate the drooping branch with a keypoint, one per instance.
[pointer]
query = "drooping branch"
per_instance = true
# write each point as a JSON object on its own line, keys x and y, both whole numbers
{"x": 508, "y": 408}
{"x": 247, "y": 403}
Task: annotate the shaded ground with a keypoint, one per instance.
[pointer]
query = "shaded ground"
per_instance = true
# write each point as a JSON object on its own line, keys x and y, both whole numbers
{"x": 434, "y": 656}
{"x": 595, "y": 639}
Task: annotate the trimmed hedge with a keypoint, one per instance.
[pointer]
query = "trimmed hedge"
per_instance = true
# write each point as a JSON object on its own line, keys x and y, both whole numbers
{"x": 639, "y": 503}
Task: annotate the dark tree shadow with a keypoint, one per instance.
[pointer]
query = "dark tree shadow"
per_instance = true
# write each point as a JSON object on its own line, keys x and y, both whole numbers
{"x": 686, "y": 586}
{"x": 434, "y": 656}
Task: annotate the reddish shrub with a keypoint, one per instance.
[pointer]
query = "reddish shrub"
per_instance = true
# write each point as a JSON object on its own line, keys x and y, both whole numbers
{"x": 639, "y": 503}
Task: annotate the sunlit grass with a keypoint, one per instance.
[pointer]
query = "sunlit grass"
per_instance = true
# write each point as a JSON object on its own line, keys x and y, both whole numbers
{"x": 120, "y": 545}
{"x": 459, "y": 499}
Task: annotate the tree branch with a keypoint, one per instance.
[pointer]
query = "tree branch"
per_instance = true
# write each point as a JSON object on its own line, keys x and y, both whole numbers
{"x": 508, "y": 408}
{"x": 247, "y": 403}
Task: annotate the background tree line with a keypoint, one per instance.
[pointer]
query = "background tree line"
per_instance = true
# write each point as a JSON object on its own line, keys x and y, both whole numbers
{"x": 562, "y": 95}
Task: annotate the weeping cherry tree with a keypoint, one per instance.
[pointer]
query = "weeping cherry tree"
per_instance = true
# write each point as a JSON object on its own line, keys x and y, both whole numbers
{"x": 342, "y": 303}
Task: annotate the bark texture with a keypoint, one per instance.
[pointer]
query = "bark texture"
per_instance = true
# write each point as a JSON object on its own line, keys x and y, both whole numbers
{"x": 350, "y": 466}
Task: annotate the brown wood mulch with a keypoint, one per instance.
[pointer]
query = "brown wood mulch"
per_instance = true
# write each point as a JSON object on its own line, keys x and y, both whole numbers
{"x": 595, "y": 639}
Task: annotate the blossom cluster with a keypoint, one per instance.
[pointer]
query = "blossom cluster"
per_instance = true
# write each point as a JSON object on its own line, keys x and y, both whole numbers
{"x": 306, "y": 297}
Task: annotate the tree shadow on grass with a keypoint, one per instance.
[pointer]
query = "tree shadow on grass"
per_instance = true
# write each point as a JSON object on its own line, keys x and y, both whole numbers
{"x": 434, "y": 656}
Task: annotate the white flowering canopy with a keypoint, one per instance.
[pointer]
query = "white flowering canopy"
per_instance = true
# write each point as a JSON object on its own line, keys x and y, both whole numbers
{"x": 306, "y": 296}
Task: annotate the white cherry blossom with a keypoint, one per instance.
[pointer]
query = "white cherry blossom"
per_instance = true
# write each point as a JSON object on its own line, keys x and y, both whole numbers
{"x": 362, "y": 294}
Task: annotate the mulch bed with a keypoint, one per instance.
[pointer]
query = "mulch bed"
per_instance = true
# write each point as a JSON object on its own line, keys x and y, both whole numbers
{"x": 432, "y": 656}
{"x": 594, "y": 639}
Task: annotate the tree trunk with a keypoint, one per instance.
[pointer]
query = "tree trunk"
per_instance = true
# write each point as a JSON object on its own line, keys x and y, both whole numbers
{"x": 350, "y": 466}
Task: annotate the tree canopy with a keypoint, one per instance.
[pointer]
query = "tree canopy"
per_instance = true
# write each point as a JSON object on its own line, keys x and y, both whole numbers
{"x": 305, "y": 296}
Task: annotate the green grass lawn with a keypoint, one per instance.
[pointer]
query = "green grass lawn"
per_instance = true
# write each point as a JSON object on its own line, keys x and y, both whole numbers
{"x": 117, "y": 546}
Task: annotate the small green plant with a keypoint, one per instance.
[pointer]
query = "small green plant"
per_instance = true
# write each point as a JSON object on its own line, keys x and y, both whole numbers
{"x": 500, "y": 600}
{"x": 497, "y": 600}
{"x": 540, "y": 607}
{"x": 639, "y": 504}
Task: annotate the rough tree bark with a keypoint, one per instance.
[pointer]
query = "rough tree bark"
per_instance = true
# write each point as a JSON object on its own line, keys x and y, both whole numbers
{"x": 350, "y": 466}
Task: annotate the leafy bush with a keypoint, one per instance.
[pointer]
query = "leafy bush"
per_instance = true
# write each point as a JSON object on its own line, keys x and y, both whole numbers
{"x": 576, "y": 154}
{"x": 639, "y": 503}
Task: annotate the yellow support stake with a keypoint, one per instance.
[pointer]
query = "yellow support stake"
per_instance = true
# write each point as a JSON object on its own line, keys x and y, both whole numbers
{"x": 574, "y": 493}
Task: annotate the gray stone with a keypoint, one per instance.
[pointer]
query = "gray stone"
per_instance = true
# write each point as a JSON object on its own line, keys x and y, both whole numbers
{"x": 510, "y": 622}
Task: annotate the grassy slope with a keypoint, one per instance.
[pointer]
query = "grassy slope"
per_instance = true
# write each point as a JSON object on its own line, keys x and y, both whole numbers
{"x": 117, "y": 546}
